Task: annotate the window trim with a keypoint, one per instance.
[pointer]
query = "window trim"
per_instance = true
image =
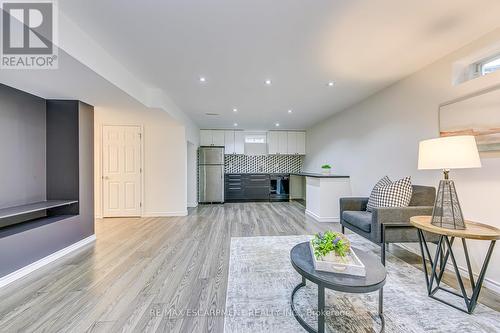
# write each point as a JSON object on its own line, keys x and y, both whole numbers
{"x": 479, "y": 65}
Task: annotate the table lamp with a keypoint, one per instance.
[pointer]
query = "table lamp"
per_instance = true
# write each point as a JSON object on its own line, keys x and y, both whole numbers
{"x": 446, "y": 153}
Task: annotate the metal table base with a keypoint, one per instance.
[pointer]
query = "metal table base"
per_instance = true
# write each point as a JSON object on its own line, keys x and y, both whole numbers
{"x": 443, "y": 253}
{"x": 321, "y": 309}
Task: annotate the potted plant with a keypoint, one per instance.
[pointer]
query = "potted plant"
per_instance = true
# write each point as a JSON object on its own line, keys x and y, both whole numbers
{"x": 331, "y": 246}
{"x": 326, "y": 169}
{"x": 332, "y": 252}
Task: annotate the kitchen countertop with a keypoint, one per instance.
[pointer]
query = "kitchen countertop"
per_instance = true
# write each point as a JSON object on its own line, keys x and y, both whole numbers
{"x": 257, "y": 173}
{"x": 303, "y": 174}
{"x": 317, "y": 175}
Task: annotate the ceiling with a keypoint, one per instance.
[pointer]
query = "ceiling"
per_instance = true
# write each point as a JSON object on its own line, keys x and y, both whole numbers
{"x": 301, "y": 45}
{"x": 90, "y": 87}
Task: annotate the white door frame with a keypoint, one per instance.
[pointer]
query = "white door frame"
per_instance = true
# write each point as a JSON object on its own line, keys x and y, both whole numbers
{"x": 101, "y": 187}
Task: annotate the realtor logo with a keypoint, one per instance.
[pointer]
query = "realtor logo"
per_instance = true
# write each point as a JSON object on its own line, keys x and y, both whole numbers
{"x": 28, "y": 35}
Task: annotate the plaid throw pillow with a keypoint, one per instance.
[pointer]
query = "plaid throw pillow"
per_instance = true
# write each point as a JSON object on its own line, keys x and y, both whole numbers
{"x": 371, "y": 200}
{"x": 397, "y": 194}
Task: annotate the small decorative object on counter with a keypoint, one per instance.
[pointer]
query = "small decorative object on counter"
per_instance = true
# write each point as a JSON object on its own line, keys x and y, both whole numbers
{"x": 332, "y": 252}
{"x": 326, "y": 169}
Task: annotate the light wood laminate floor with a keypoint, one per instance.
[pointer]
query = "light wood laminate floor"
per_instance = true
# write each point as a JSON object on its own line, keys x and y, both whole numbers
{"x": 147, "y": 274}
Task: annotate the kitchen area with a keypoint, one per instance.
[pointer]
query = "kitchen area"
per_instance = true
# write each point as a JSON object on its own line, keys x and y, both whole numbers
{"x": 258, "y": 166}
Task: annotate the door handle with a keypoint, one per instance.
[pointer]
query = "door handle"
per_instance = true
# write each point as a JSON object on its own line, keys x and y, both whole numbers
{"x": 105, "y": 177}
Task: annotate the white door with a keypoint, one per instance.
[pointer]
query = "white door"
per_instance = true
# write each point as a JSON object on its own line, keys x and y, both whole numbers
{"x": 218, "y": 138}
{"x": 292, "y": 143}
{"x": 239, "y": 142}
{"x": 121, "y": 170}
{"x": 206, "y": 138}
{"x": 228, "y": 142}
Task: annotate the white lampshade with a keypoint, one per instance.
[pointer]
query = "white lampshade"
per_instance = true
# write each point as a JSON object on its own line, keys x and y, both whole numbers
{"x": 452, "y": 152}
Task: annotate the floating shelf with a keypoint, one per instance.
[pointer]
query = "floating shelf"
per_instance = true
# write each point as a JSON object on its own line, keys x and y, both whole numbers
{"x": 10, "y": 212}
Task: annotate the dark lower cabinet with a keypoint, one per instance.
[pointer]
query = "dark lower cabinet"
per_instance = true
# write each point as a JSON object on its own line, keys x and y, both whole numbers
{"x": 247, "y": 187}
{"x": 234, "y": 187}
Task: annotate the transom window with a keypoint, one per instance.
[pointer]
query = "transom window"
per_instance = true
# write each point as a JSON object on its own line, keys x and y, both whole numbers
{"x": 255, "y": 139}
{"x": 491, "y": 65}
{"x": 487, "y": 66}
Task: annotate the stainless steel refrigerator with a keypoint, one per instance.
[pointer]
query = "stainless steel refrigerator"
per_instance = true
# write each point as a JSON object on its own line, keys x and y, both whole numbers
{"x": 211, "y": 174}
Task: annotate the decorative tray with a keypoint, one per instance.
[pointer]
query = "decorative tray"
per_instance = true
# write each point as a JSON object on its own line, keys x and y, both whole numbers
{"x": 350, "y": 264}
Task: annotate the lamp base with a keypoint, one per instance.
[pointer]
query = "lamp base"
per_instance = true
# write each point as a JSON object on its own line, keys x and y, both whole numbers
{"x": 447, "y": 212}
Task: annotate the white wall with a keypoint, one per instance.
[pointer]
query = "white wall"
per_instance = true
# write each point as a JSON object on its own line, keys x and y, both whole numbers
{"x": 380, "y": 136}
{"x": 164, "y": 159}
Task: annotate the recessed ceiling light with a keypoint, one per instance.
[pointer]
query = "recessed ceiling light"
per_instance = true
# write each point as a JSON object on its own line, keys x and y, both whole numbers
{"x": 330, "y": 84}
{"x": 203, "y": 79}
{"x": 235, "y": 124}
{"x": 235, "y": 110}
{"x": 290, "y": 111}
{"x": 277, "y": 124}
{"x": 268, "y": 82}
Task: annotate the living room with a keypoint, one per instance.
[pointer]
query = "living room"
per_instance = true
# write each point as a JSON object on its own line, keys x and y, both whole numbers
{"x": 330, "y": 125}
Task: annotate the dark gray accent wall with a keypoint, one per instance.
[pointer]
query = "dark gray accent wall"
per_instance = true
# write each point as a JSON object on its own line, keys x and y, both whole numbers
{"x": 86, "y": 169}
{"x": 25, "y": 243}
{"x": 62, "y": 150}
{"x": 22, "y": 147}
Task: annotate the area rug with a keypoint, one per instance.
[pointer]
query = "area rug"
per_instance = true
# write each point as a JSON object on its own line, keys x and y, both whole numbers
{"x": 261, "y": 280}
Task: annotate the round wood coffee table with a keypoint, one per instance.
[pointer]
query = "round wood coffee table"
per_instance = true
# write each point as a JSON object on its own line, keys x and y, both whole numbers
{"x": 302, "y": 261}
{"x": 473, "y": 230}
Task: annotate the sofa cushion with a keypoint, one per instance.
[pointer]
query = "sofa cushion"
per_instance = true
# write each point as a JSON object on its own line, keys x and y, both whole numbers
{"x": 360, "y": 219}
{"x": 423, "y": 196}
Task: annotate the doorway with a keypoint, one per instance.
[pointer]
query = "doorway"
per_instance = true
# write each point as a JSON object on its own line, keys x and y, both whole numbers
{"x": 121, "y": 171}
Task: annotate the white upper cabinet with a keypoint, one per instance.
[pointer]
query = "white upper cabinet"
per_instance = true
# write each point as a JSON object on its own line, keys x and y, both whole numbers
{"x": 278, "y": 142}
{"x": 272, "y": 143}
{"x": 228, "y": 142}
{"x": 211, "y": 138}
{"x": 282, "y": 142}
{"x": 206, "y": 138}
{"x": 218, "y": 137}
{"x": 301, "y": 143}
{"x": 286, "y": 143}
{"x": 232, "y": 141}
{"x": 292, "y": 143}
{"x": 239, "y": 142}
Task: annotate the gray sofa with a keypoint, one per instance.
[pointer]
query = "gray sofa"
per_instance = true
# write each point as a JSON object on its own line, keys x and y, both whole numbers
{"x": 388, "y": 225}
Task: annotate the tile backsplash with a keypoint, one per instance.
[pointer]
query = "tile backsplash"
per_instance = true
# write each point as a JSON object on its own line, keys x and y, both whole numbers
{"x": 263, "y": 163}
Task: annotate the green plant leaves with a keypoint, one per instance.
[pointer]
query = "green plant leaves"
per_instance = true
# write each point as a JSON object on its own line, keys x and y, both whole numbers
{"x": 328, "y": 242}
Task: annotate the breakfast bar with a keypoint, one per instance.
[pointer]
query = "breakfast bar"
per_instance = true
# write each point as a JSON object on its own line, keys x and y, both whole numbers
{"x": 322, "y": 194}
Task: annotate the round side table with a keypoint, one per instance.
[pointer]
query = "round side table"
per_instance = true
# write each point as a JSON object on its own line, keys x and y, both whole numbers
{"x": 302, "y": 261}
{"x": 444, "y": 252}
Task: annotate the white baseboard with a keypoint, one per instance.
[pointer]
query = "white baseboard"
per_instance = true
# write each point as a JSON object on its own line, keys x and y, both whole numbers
{"x": 166, "y": 214}
{"x": 192, "y": 204}
{"x": 488, "y": 283}
{"x": 7, "y": 279}
{"x": 322, "y": 219}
